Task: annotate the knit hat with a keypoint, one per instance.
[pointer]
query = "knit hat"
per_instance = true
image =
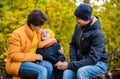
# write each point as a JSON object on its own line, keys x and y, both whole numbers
{"x": 52, "y": 34}
{"x": 83, "y": 11}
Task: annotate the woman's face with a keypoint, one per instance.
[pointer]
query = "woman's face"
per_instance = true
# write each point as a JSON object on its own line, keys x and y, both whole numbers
{"x": 35, "y": 28}
{"x": 80, "y": 22}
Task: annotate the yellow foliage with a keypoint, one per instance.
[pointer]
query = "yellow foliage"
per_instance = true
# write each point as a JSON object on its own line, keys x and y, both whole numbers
{"x": 60, "y": 19}
{"x": 110, "y": 20}
{"x": 60, "y": 15}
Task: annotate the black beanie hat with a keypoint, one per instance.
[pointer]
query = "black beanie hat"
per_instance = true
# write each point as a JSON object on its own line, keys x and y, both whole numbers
{"x": 83, "y": 11}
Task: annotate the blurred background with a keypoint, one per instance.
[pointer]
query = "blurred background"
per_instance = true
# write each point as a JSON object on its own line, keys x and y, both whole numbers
{"x": 60, "y": 13}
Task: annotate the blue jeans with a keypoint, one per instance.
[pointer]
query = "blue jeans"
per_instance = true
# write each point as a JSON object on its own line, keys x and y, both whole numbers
{"x": 86, "y": 72}
{"x": 41, "y": 70}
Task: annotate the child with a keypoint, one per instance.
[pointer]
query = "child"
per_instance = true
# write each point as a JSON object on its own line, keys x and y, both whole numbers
{"x": 51, "y": 53}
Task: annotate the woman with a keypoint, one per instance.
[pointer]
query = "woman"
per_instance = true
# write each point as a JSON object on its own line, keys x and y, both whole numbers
{"x": 22, "y": 47}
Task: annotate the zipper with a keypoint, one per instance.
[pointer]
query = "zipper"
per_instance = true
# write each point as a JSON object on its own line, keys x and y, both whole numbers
{"x": 81, "y": 32}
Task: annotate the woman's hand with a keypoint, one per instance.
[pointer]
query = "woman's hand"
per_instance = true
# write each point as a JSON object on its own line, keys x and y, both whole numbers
{"x": 39, "y": 57}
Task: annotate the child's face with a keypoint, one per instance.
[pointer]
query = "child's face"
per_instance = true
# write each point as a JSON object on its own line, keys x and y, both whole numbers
{"x": 45, "y": 34}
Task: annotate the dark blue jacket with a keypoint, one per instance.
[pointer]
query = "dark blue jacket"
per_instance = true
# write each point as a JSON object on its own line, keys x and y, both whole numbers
{"x": 87, "y": 46}
{"x": 51, "y": 54}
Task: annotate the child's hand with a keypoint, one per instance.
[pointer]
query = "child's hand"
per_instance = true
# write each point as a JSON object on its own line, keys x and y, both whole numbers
{"x": 61, "y": 50}
{"x": 39, "y": 57}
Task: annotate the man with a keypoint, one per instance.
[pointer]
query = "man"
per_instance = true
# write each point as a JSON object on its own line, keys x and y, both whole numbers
{"x": 88, "y": 58}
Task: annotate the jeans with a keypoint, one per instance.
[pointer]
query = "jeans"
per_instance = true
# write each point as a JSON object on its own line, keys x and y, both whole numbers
{"x": 41, "y": 70}
{"x": 86, "y": 72}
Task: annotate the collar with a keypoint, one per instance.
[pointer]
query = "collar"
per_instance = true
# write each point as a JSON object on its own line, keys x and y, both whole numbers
{"x": 88, "y": 24}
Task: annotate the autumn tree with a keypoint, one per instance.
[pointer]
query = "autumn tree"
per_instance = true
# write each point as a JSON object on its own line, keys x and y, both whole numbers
{"x": 109, "y": 15}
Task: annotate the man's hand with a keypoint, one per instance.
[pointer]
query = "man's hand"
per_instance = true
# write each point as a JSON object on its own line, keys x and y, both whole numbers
{"x": 61, "y": 65}
{"x": 39, "y": 57}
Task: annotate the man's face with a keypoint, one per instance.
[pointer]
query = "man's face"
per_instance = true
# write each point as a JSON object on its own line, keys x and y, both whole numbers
{"x": 80, "y": 22}
{"x": 45, "y": 34}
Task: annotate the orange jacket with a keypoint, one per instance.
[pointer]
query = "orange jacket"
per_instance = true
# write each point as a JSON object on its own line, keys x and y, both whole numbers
{"x": 19, "y": 48}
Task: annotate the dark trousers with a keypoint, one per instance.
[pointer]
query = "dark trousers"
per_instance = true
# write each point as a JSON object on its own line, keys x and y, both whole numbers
{"x": 58, "y": 75}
